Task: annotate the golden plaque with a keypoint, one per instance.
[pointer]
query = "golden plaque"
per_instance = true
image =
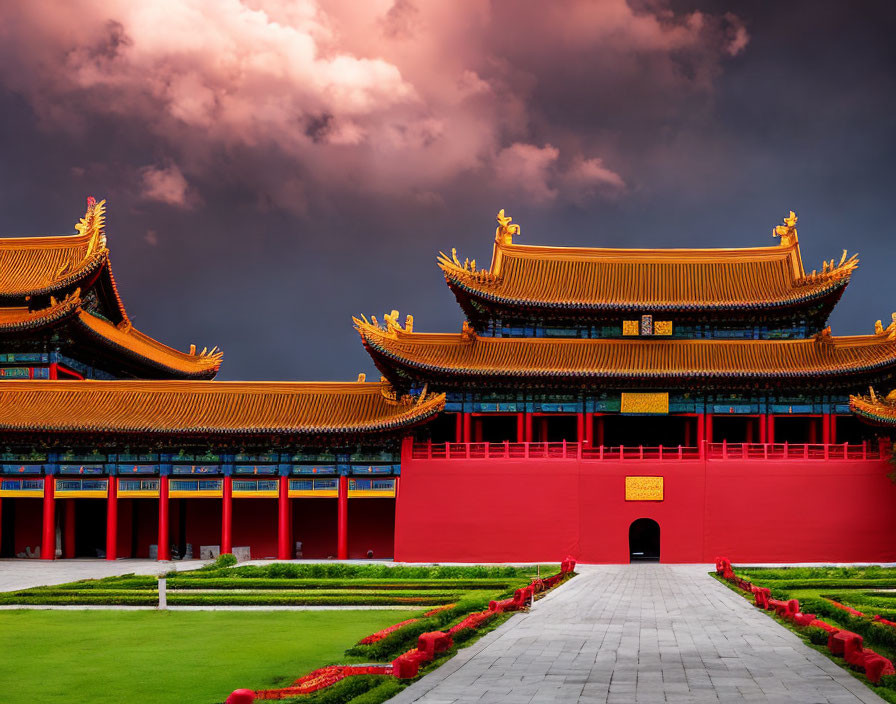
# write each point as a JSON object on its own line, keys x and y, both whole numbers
{"x": 645, "y": 403}
{"x": 643, "y": 488}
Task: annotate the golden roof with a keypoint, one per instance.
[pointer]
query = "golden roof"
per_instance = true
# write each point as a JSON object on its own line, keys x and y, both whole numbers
{"x": 469, "y": 355}
{"x": 209, "y": 407}
{"x": 34, "y": 266}
{"x": 122, "y": 337}
{"x": 875, "y": 409}
{"x": 645, "y": 279}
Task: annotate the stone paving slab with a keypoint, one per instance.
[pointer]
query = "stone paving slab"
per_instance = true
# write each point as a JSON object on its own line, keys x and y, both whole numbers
{"x": 640, "y": 634}
{"x": 22, "y": 574}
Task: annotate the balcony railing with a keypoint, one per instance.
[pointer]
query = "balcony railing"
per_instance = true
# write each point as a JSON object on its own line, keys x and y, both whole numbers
{"x": 575, "y": 450}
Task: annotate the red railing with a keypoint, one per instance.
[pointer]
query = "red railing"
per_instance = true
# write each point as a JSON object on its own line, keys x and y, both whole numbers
{"x": 574, "y": 450}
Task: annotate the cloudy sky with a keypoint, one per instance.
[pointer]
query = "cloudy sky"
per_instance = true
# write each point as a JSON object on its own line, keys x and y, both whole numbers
{"x": 272, "y": 167}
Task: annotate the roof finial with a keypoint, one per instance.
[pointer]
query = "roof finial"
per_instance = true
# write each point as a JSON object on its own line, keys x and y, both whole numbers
{"x": 787, "y": 231}
{"x": 93, "y": 225}
{"x": 362, "y": 377}
{"x": 505, "y": 232}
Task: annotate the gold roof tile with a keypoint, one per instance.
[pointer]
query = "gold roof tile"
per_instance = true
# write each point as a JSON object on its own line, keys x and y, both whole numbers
{"x": 209, "y": 407}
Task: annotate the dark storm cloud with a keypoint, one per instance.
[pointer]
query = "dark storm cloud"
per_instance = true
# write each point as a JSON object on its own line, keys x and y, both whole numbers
{"x": 273, "y": 168}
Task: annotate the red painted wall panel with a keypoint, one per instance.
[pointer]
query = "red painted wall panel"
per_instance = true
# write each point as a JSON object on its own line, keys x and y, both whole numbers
{"x": 514, "y": 510}
{"x": 28, "y": 519}
{"x": 371, "y": 526}
{"x": 255, "y": 525}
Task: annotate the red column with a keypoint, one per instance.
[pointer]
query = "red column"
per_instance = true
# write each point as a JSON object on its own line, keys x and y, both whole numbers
{"x": 68, "y": 529}
{"x": 580, "y": 428}
{"x": 164, "y": 544}
{"x": 227, "y": 516}
{"x": 467, "y": 424}
{"x": 826, "y": 428}
{"x": 48, "y": 542}
{"x": 284, "y": 535}
{"x": 458, "y": 427}
{"x": 54, "y": 374}
{"x": 342, "y": 534}
{"x": 770, "y": 429}
{"x": 112, "y": 520}
{"x": 833, "y": 428}
{"x": 520, "y": 427}
{"x": 589, "y": 429}
{"x": 528, "y": 436}
{"x": 701, "y": 428}
{"x": 708, "y": 427}
{"x": 813, "y": 431}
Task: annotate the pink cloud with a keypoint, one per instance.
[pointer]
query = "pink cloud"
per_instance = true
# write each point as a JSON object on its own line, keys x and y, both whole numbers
{"x": 384, "y": 98}
{"x": 165, "y": 185}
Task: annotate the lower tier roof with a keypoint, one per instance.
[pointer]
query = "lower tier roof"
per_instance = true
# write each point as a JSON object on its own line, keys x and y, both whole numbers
{"x": 123, "y": 339}
{"x": 874, "y": 409}
{"x": 403, "y": 355}
{"x": 210, "y": 407}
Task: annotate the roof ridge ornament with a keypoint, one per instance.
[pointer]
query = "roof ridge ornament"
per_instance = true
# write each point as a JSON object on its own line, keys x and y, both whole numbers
{"x": 467, "y": 332}
{"x": 505, "y": 232}
{"x": 93, "y": 225}
{"x": 787, "y": 231}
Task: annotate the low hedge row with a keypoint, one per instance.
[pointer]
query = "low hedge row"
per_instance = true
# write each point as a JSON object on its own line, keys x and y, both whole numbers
{"x": 338, "y": 570}
{"x": 763, "y": 574}
{"x": 832, "y": 583}
{"x": 876, "y": 634}
{"x": 182, "y": 599}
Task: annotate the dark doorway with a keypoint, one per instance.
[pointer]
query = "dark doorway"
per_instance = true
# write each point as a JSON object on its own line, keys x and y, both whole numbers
{"x": 851, "y": 430}
{"x": 495, "y": 428}
{"x": 644, "y": 540}
{"x": 648, "y": 431}
{"x": 555, "y": 428}
{"x": 443, "y": 428}
{"x": 90, "y": 526}
{"x": 735, "y": 429}
{"x": 798, "y": 429}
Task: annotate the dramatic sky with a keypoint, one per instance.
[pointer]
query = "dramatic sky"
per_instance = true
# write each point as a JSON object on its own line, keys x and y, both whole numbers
{"x": 273, "y": 167}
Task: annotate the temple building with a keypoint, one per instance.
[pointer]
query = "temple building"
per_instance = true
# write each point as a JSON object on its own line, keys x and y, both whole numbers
{"x": 608, "y": 404}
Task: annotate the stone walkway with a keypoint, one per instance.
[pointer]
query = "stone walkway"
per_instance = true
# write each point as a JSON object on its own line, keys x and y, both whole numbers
{"x": 23, "y": 574}
{"x": 640, "y": 634}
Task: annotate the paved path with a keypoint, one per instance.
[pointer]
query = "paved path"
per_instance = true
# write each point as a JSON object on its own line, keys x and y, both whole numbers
{"x": 640, "y": 634}
{"x": 22, "y": 574}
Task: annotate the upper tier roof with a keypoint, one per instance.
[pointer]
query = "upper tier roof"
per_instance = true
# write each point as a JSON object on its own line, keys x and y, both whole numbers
{"x": 401, "y": 355}
{"x": 209, "y": 407}
{"x": 42, "y": 266}
{"x": 45, "y": 282}
{"x": 651, "y": 280}
{"x": 874, "y": 409}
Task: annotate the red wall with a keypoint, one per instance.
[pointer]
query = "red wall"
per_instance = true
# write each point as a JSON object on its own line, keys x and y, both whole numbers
{"x": 526, "y": 510}
{"x": 371, "y": 526}
{"x": 255, "y": 525}
{"x": 28, "y": 522}
{"x": 146, "y": 525}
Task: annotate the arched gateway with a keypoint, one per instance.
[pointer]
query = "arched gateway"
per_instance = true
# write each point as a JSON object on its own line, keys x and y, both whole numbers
{"x": 644, "y": 540}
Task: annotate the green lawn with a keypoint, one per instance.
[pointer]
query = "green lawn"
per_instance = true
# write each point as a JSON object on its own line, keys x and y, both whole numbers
{"x": 100, "y": 657}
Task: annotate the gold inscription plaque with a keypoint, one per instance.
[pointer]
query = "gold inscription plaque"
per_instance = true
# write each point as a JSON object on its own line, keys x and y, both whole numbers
{"x": 643, "y": 488}
{"x": 662, "y": 327}
{"x": 645, "y": 403}
{"x": 631, "y": 327}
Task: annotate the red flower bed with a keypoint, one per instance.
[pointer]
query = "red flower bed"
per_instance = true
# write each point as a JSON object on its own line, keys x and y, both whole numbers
{"x": 840, "y": 642}
{"x": 406, "y": 665}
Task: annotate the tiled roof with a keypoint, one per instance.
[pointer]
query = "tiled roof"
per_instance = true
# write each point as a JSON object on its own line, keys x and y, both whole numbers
{"x": 581, "y": 278}
{"x": 209, "y": 407}
{"x": 468, "y": 355}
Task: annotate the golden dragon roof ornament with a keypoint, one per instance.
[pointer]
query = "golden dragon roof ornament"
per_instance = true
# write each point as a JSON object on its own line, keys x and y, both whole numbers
{"x": 505, "y": 232}
{"x": 787, "y": 231}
